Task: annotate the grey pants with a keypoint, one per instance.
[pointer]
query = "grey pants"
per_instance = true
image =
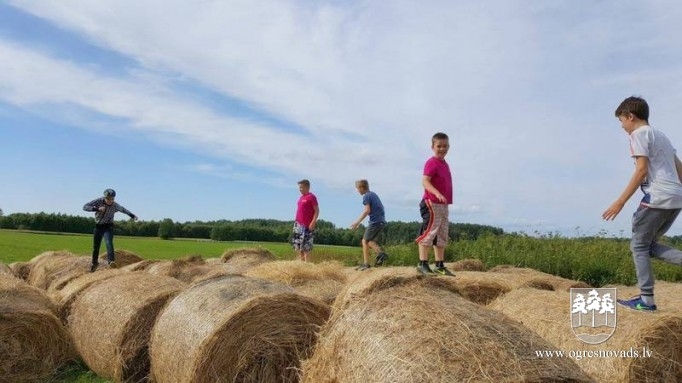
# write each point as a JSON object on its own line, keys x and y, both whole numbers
{"x": 648, "y": 225}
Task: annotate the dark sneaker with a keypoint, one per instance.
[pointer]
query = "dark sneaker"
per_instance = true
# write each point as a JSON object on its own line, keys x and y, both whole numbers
{"x": 444, "y": 271}
{"x": 425, "y": 269}
{"x": 636, "y": 303}
{"x": 93, "y": 267}
{"x": 113, "y": 265}
{"x": 381, "y": 258}
{"x": 364, "y": 266}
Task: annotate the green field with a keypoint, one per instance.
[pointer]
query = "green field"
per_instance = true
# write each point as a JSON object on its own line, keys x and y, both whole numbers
{"x": 18, "y": 246}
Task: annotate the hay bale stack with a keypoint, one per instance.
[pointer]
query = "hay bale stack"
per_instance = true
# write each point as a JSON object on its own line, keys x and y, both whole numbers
{"x": 50, "y": 266}
{"x": 246, "y": 258}
{"x": 421, "y": 333}
{"x": 538, "y": 279}
{"x": 65, "y": 296}
{"x": 111, "y": 322}
{"x": 234, "y": 329}
{"x": 376, "y": 279}
{"x": 21, "y": 269}
{"x": 140, "y": 266}
{"x": 466, "y": 265}
{"x": 122, "y": 258}
{"x": 183, "y": 269}
{"x": 33, "y": 342}
{"x": 322, "y": 281}
{"x": 661, "y": 333}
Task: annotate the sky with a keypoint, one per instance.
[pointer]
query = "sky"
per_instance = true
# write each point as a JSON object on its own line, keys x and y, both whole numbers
{"x": 209, "y": 110}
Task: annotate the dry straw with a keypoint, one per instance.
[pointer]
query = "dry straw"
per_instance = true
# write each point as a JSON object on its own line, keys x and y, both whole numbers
{"x": 183, "y": 269}
{"x": 140, "y": 266}
{"x": 122, "y": 258}
{"x": 234, "y": 329}
{"x": 537, "y": 279}
{"x": 50, "y": 265}
{"x": 111, "y": 322}
{"x": 65, "y": 296}
{"x": 418, "y": 332}
{"x": 322, "y": 281}
{"x": 21, "y": 269}
{"x": 246, "y": 258}
{"x": 4, "y": 269}
{"x": 549, "y": 314}
{"x": 33, "y": 342}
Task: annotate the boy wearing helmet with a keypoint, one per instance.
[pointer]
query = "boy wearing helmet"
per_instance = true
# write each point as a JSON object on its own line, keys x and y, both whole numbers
{"x": 104, "y": 209}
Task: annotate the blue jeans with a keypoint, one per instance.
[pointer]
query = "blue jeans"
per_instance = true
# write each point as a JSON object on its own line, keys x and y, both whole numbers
{"x": 106, "y": 232}
{"x": 648, "y": 225}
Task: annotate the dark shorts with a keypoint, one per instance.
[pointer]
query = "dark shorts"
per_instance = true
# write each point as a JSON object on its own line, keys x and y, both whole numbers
{"x": 373, "y": 231}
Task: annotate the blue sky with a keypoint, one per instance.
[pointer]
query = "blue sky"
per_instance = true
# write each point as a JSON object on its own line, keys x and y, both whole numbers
{"x": 202, "y": 110}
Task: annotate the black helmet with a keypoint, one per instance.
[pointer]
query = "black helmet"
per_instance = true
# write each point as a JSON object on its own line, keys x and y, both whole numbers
{"x": 110, "y": 193}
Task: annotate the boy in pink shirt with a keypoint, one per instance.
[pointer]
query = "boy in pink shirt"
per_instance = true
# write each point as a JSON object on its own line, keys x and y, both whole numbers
{"x": 307, "y": 212}
{"x": 437, "y": 183}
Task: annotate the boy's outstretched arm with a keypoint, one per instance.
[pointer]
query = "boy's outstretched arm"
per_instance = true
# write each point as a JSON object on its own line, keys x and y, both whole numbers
{"x": 641, "y": 170}
{"x": 364, "y": 214}
{"x": 426, "y": 183}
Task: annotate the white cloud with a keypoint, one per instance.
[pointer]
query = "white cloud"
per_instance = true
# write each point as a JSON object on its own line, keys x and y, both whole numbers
{"x": 526, "y": 91}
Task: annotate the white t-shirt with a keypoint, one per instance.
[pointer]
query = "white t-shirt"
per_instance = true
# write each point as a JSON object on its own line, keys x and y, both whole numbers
{"x": 662, "y": 188}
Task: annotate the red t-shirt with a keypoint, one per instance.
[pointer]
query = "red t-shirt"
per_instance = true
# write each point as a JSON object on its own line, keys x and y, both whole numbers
{"x": 306, "y": 209}
{"x": 441, "y": 179}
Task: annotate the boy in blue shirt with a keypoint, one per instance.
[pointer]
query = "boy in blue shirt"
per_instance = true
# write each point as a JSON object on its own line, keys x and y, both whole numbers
{"x": 658, "y": 172}
{"x": 377, "y": 221}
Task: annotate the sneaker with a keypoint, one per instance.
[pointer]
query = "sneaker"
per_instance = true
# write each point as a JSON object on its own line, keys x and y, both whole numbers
{"x": 93, "y": 267}
{"x": 364, "y": 266}
{"x": 636, "y": 303}
{"x": 444, "y": 271}
{"x": 113, "y": 265}
{"x": 425, "y": 269}
{"x": 381, "y": 258}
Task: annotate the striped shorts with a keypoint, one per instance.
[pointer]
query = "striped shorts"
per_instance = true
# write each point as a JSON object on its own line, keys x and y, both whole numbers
{"x": 435, "y": 227}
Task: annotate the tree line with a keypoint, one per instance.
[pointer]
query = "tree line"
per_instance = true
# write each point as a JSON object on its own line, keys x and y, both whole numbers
{"x": 259, "y": 230}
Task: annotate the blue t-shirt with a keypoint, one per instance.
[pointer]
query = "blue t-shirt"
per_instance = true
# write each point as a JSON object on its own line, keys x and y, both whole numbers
{"x": 376, "y": 208}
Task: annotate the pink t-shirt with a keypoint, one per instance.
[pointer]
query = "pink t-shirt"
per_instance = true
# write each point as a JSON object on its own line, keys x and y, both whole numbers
{"x": 441, "y": 179}
{"x": 306, "y": 209}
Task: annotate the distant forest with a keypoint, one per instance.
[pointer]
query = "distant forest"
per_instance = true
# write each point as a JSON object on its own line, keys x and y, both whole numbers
{"x": 265, "y": 230}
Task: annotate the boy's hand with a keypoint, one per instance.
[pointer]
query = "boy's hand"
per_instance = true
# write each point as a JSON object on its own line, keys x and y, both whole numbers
{"x": 441, "y": 198}
{"x": 613, "y": 210}
{"x": 354, "y": 225}
{"x": 102, "y": 209}
{"x": 133, "y": 218}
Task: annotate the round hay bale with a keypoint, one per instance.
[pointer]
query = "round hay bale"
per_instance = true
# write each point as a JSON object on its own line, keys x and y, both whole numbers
{"x": 52, "y": 265}
{"x": 4, "y": 269}
{"x": 111, "y": 322}
{"x": 70, "y": 270}
{"x": 65, "y": 296}
{"x": 21, "y": 269}
{"x": 660, "y": 333}
{"x": 466, "y": 265}
{"x": 380, "y": 278}
{"x": 422, "y": 333}
{"x": 214, "y": 260}
{"x": 122, "y": 258}
{"x": 234, "y": 329}
{"x": 538, "y": 279}
{"x": 324, "y": 290}
{"x": 246, "y": 258}
{"x": 294, "y": 273}
{"x": 479, "y": 286}
{"x": 140, "y": 266}
{"x": 181, "y": 269}
{"x": 33, "y": 342}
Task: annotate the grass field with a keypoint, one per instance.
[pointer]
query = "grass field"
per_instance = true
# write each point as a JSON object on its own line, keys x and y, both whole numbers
{"x": 18, "y": 246}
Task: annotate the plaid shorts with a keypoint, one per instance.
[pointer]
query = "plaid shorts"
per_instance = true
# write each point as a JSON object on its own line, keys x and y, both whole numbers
{"x": 303, "y": 238}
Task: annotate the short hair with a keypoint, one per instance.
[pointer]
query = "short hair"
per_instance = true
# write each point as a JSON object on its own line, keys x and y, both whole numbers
{"x": 635, "y": 105}
{"x": 304, "y": 182}
{"x": 439, "y": 136}
{"x": 362, "y": 184}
